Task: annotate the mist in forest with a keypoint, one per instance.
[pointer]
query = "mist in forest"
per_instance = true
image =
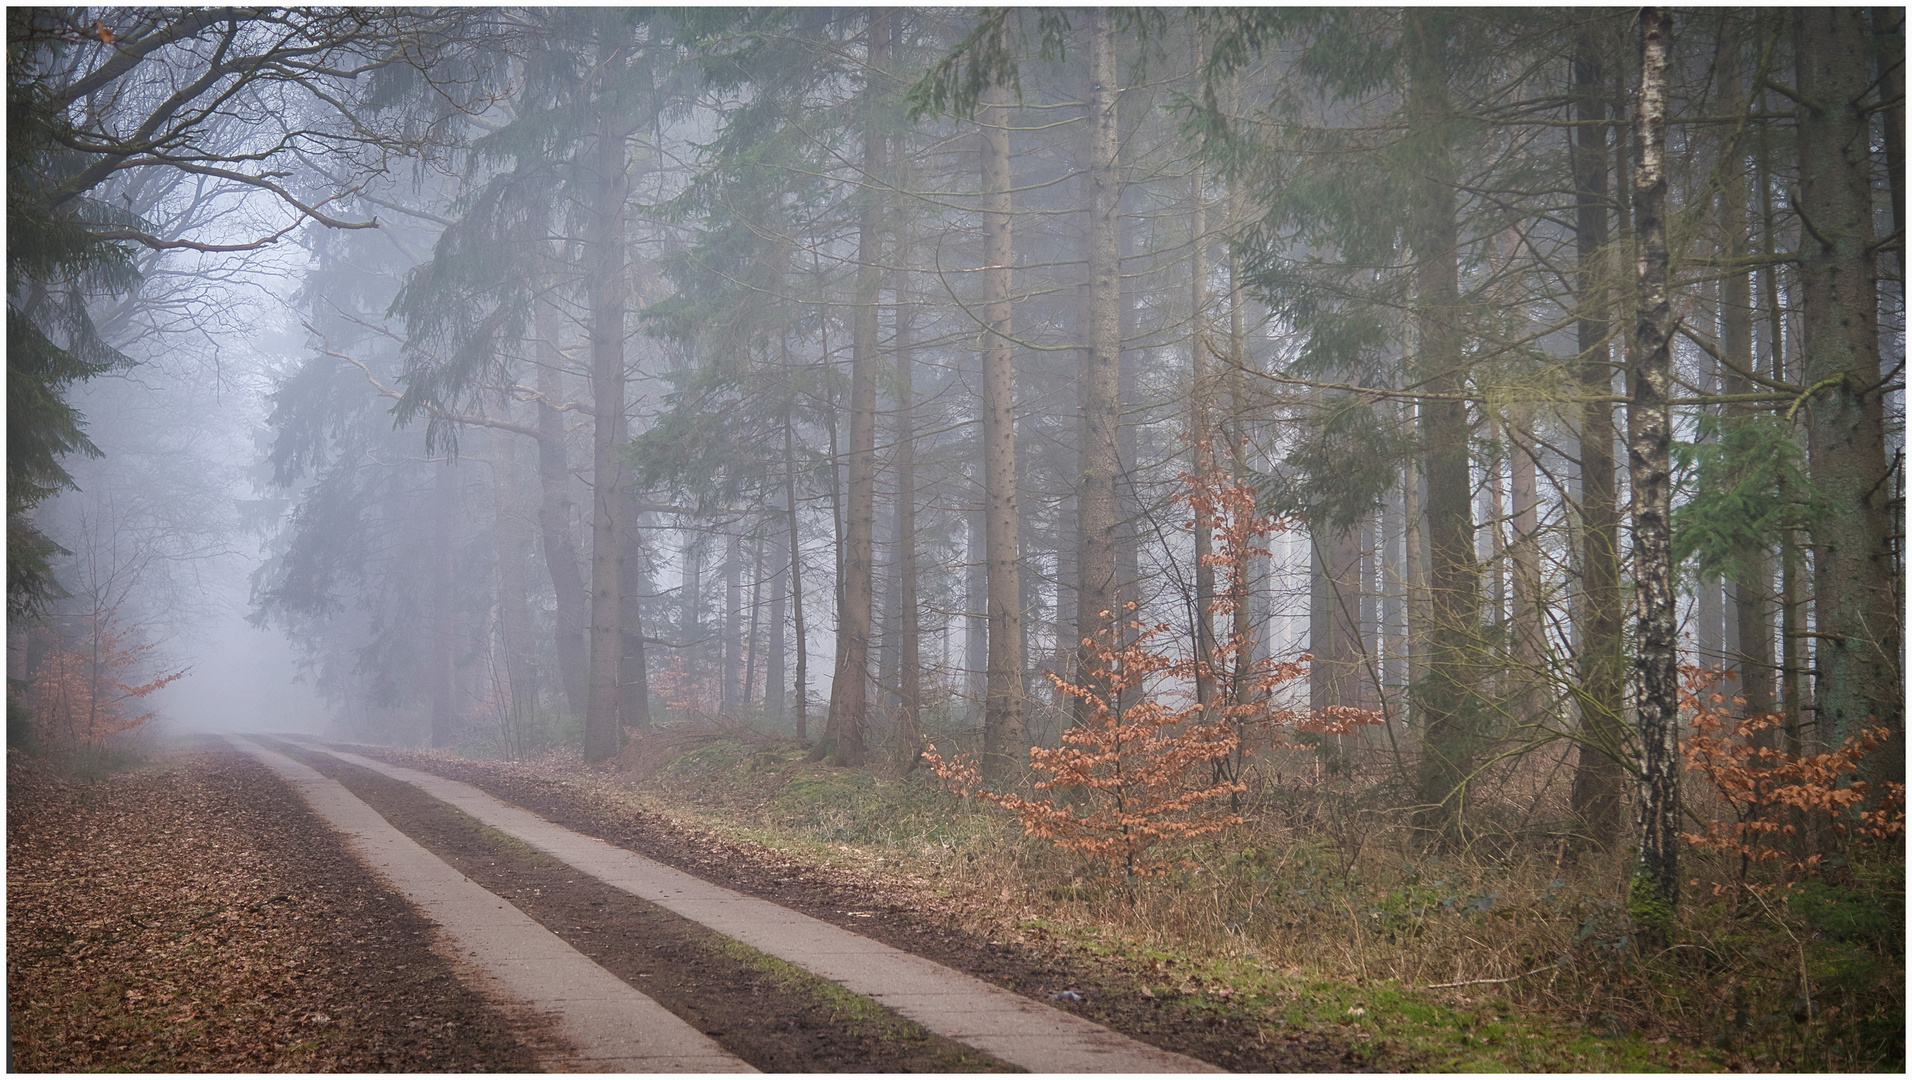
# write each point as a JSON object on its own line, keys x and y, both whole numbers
{"x": 244, "y": 679}
{"x": 518, "y": 381}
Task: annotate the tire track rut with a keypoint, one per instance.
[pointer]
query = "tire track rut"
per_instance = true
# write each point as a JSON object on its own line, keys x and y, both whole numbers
{"x": 776, "y": 1017}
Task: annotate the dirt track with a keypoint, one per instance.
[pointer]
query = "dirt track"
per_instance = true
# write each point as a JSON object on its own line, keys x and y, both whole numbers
{"x": 1109, "y": 994}
{"x": 194, "y": 916}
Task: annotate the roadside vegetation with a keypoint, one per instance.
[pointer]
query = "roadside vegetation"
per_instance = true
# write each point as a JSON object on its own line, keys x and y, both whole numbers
{"x": 1319, "y": 911}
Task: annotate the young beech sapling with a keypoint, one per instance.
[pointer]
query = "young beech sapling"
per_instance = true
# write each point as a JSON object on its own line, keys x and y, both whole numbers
{"x": 1148, "y": 763}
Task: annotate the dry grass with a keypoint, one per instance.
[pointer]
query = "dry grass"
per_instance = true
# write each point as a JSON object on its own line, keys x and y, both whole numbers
{"x": 1324, "y": 884}
{"x": 1325, "y": 880}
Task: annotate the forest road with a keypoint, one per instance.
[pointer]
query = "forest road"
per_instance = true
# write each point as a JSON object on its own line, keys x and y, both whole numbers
{"x": 508, "y": 957}
{"x": 642, "y": 967}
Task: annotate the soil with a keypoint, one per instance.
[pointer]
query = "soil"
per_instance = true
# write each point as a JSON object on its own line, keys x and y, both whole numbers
{"x": 770, "y": 1015}
{"x": 194, "y": 915}
{"x": 1111, "y": 994}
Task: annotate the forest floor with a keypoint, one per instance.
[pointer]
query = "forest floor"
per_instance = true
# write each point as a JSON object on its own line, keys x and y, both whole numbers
{"x": 191, "y": 914}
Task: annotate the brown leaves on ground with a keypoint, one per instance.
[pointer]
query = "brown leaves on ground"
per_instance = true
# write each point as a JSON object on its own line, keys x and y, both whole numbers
{"x": 196, "y": 917}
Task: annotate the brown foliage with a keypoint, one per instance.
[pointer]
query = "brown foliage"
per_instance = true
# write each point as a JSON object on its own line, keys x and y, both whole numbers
{"x": 86, "y": 687}
{"x": 1771, "y": 791}
{"x": 1147, "y": 762}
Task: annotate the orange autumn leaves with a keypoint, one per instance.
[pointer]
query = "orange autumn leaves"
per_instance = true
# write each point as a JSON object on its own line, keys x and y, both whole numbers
{"x": 1148, "y": 762}
{"x": 88, "y": 688}
{"x": 1772, "y": 793}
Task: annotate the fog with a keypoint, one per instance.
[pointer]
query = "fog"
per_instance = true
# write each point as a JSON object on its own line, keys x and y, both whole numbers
{"x": 516, "y": 381}
{"x": 244, "y": 679}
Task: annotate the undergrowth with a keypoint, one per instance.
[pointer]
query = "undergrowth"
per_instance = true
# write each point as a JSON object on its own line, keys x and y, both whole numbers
{"x": 1515, "y": 949}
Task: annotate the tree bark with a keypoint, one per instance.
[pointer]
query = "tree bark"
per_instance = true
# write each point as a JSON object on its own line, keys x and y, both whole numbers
{"x": 1003, "y": 691}
{"x": 1599, "y": 780}
{"x": 732, "y": 668}
{"x": 1649, "y": 465}
{"x": 554, "y": 514}
{"x": 1097, "y": 608}
{"x": 1233, "y": 429}
{"x": 691, "y": 588}
{"x": 1201, "y": 434}
{"x": 634, "y": 582}
{"x": 1334, "y": 678}
{"x": 849, "y": 690}
{"x": 607, "y": 287}
{"x": 801, "y": 688}
{"x": 976, "y": 611}
{"x": 1128, "y": 503}
{"x": 755, "y": 607}
{"x": 777, "y": 645}
{"x": 1775, "y": 338}
{"x": 909, "y": 624}
{"x": 1450, "y": 716}
{"x": 1415, "y": 590}
{"x": 444, "y": 618}
{"x": 1888, "y": 22}
{"x": 1855, "y": 576}
{"x": 1752, "y": 580}
{"x": 514, "y": 607}
{"x": 1529, "y": 633}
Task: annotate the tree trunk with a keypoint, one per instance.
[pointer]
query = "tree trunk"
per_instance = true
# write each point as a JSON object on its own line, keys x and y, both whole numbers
{"x": 976, "y": 612}
{"x": 1888, "y": 22}
{"x": 1790, "y": 673}
{"x": 1334, "y": 628}
{"x": 1649, "y": 466}
{"x": 733, "y": 625}
{"x": 1003, "y": 692}
{"x": 1495, "y": 608}
{"x": 514, "y": 607}
{"x": 554, "y": 513}
{"x": 1752, "y": 580}
{"x": 607, "y": 288}
{"x": 1414, "y": 544}
{"x": 1097, "y": 608}
{"x": 633, "y": 677}
{"x": 1599, "y": 780}
{"x": 1855, "y": 576}
{"x": 801, "y": 689}
{"x": 1450, "y": 713}
{"x": 849, "y": 690}
{"x": 444, "y": 619}
{"x": 691, "y": 589}
{"x": 1394, "y": 645}
{"x": 775, "y": 647}
{"x": 755, "y": 607}
{"x": 909, "y": 629}
{"x": 1529, "y": 633}
{"x": 1201, "y": 433}
{"x": 1065, "y": 615}
{"x": 1128, "y": 503}
{"x": 886, "y": 619}
{"x": 1233, "y": 428}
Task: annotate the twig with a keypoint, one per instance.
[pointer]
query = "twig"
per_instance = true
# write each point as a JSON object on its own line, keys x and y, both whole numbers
{"x": 1486, "y": 982}
{"x": 1805, "y": 982}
